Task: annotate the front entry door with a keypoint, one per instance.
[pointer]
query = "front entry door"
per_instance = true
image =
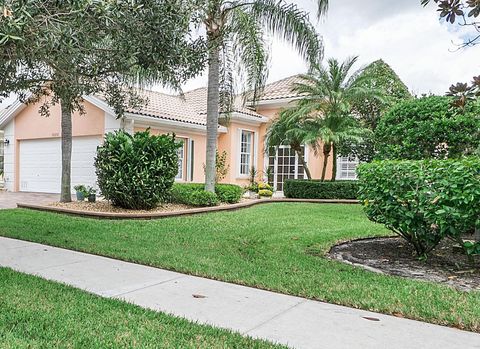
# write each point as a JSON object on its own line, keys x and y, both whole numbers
{"x": 283, "y": 165}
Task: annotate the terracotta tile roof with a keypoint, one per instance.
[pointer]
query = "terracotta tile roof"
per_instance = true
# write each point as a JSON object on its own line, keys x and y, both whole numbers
{"x": 280, "y": 89}
{"x": 190, "y": 108}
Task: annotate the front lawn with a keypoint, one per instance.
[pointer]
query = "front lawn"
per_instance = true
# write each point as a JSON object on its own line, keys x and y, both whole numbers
{"x": 36, "y": 313}
{"x": 277, "y": 246}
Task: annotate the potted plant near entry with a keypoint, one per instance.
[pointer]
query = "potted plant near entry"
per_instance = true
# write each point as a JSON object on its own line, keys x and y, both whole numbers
{"x": 81, "y": 192}
{"x": 92, "y": 194}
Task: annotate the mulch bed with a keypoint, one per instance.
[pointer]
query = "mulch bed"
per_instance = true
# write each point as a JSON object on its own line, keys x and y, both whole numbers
{"x": 447, "y": 264}
{"x": 107, "y": 207}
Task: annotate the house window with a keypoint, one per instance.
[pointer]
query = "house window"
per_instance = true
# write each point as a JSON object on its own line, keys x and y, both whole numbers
{"x": 245, "y": 152}
{"x": 347, "y": 167}
{"x": 181, "y": 160}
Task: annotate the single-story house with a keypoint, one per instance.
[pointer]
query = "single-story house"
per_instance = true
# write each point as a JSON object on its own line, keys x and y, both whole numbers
{"x": 32, "y": 146}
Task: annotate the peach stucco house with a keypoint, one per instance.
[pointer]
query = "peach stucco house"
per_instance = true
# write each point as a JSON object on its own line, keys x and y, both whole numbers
{"x": 32, "y": 152}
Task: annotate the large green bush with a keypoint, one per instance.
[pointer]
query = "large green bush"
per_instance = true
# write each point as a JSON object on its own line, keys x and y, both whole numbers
{"x": 423, "y": 201}
{"x": 188, "y": 194}
{"x": 309, "y": 189}
{"x": 136, "y": 172}
{"x": 428, "y": 127}
{"x": 229, "y": 193}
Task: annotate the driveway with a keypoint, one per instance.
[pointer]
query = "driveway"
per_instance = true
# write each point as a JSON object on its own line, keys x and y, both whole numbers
{"x": 10, "y": 200}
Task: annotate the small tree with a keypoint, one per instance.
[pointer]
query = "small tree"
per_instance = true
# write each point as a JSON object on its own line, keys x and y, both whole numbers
{"x": 59, "y": 51}
{"x": 328, "y": 95}
{"x": 292, "y": 129}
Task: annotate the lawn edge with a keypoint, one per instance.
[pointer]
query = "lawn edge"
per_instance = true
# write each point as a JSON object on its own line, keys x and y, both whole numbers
{"x": 187, "y": 212}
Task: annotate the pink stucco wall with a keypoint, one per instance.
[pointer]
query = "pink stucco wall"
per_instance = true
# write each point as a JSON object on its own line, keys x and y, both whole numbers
{"x": 29, "y": 124}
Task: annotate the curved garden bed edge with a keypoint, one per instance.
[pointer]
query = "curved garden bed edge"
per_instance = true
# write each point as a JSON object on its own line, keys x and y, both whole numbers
{"x": 159, "y": 215}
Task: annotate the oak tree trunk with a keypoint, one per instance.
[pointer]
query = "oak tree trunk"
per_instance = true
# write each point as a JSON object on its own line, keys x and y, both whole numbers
{"x": 213, "y": 106}
{"x": 65, "y": 192}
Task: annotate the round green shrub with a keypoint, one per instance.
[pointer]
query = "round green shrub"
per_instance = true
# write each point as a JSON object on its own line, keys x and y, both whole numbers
{"x": 203, "y": 198}
{"x": 423, "y": 201}
{"x": 229, "y": 193}
{"x": 136, "y": 172}
{"x": 265, "y": 193}
{"x": 428, "y": 127}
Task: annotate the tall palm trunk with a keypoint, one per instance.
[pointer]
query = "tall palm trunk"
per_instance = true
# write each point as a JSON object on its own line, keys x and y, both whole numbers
{"x": 213, "y": 103}
{"x": 65, "y": 192}
{"x": 334, "y": 170}
{"x": 326, "y": 154}
{"x": 301, "y": 158}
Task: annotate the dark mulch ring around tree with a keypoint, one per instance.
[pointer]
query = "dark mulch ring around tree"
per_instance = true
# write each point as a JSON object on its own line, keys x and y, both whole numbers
{"x": 446, "y": 264}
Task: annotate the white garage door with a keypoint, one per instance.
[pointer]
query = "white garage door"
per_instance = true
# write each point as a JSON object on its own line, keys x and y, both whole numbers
{"x": 41, "y": 163}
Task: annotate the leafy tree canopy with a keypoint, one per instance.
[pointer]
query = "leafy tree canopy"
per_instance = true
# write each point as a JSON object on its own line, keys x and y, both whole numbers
{"x": 428, "y": 127}
{"x": 78, "y": 47}
{"x": 379, "y": 76}
{"x": 463, "y": 12}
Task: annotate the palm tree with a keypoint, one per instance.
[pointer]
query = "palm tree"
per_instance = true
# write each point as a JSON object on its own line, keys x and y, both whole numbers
{"x": 328, "y": 94}
{"x": 292, "y": 129}
{"x": 236, "y": 42}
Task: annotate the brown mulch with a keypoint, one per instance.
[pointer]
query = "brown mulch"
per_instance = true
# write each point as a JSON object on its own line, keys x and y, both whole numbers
{"x": 447, "y": 264}
{"x": 107, "y": 207}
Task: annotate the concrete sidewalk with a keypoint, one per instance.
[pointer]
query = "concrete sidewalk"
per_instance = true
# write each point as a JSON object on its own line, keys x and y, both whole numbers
{"x": 293, "y": 321}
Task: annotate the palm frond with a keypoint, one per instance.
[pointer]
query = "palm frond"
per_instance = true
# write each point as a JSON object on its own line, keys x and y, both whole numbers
{"x": 250, "y": 50}
{"x": 291, "y": 24}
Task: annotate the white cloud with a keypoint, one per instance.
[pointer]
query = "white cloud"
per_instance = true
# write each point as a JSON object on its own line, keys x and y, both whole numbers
{"x": 403, "y": 33}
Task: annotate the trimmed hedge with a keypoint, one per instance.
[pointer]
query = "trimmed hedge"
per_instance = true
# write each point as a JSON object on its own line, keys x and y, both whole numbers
{"x": 195, "y": 195}
{"x": 423, "y": 201}
{"x": 311, "y": 189}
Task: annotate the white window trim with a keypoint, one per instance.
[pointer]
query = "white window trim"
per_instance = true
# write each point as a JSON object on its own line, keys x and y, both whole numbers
{"x": 182, "y": 177}
{"x": 253, "y": 155}
{"x": 338, "y": 175}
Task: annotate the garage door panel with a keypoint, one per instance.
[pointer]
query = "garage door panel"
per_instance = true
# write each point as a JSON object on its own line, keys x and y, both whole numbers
{"x": 41, "y": 168}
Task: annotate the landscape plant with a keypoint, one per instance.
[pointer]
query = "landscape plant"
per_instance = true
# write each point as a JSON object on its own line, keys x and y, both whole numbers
{"x": 185, "y": 193}
{"x": 314, "y": 189}
{"x": 136, "y": 171}
{"x": 221, "y": 165}
{"x": 326, "y": 106}
{"x": 424, "y": 201}
{"x": 428, "y": 127}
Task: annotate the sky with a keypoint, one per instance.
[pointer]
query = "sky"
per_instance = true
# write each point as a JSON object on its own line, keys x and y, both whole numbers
{"x": 409, "y": 37}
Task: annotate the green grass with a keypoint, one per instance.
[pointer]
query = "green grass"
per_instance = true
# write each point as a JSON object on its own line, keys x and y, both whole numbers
{"x": 36, "y": 313}
{"x": 278, "y": 247}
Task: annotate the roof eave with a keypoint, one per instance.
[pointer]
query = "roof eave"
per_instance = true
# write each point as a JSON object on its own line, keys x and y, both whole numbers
{"x": 249, "y": 119}
{"x": 277, "y": 102}
{"x": 171, "y": 124}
